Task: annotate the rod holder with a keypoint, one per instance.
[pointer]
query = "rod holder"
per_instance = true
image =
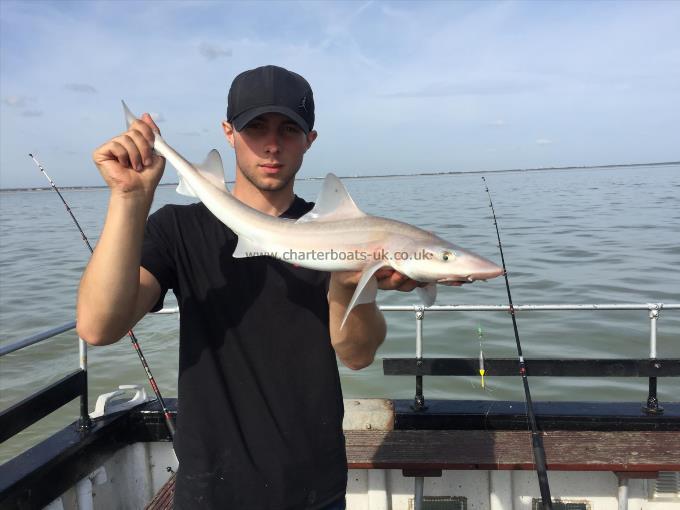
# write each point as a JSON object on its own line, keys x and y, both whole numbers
{"x": 652, "y": 406}
{"x": 84, "y": 422}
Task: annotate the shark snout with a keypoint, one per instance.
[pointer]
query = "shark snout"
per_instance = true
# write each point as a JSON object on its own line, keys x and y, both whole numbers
{"x": 481, "y": 270}
{"x": 487, "y": 274}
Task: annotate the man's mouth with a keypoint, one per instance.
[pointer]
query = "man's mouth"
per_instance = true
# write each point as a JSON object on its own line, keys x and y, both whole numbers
{"x": 271, "y": 168}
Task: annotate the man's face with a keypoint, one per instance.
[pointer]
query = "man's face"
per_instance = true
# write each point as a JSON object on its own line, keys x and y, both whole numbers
{"x": 269, "y": 150}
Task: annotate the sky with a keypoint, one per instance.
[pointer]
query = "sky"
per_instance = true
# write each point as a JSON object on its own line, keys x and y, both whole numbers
{"x": 399, "y": 87}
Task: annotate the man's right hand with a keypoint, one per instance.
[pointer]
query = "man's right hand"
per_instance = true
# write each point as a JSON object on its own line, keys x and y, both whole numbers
{"x": 115, "y": 292}
{"x": 128, "y": 163}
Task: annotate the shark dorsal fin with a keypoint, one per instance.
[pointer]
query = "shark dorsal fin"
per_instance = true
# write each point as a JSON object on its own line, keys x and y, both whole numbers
{"x": 333, "y": 203}
{"x": 211, "y": 169}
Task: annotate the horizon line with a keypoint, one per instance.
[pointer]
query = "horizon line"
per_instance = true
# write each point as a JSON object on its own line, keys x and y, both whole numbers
{"x": 384, "y": 176}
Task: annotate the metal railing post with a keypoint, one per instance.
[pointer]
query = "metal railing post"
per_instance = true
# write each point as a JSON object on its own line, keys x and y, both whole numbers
{"x": 653, "y": 406}
{"x": 419, "y": 401}
{"x": 418, "y": 497}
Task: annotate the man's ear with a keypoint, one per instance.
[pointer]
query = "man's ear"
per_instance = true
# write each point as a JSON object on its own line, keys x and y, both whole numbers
{"x": 228, "y": 132}
{"x": 311, "y": 136}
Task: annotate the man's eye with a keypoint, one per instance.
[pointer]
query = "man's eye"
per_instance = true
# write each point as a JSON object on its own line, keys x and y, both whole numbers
{"x": 291, "y": 129}
{"x": 255, "y": 125}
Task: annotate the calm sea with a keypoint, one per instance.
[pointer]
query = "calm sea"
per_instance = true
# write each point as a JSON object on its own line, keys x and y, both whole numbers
{"x": 570, "y": 236}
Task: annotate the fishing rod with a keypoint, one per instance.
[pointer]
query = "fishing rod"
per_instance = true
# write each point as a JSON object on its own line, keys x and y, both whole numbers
{"x": 536, "y": 438}
{"x": 133, "y": 339}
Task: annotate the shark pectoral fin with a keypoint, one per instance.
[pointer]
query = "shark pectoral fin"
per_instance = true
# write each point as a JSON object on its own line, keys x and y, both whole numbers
{"x": 183, "y": 188}
{"x": 246, "y": 248}
{"x": 366, "y": 290}
{"x": 333, "y": 203}
{"x": 427, "y": 294}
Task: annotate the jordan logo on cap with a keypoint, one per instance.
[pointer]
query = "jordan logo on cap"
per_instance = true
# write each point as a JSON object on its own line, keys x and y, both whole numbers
{"x": 303, "y": 104}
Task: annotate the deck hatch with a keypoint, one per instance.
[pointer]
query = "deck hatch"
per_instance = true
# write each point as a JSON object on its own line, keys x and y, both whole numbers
{"x": 441, "y": 503}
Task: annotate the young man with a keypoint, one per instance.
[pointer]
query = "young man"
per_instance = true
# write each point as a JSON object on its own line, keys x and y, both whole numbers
{"x": 260, "y": 405}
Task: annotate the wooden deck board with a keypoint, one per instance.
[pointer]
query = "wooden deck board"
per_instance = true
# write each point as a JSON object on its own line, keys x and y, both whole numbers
{"x": 474, "y": 449}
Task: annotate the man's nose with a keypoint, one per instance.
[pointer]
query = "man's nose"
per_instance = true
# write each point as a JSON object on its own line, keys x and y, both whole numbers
{"x": 272, "y": 142}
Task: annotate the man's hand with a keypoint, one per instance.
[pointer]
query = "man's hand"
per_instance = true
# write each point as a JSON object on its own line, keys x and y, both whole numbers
{"x": 127, "y": 162}
{"x": 115, "y": 292}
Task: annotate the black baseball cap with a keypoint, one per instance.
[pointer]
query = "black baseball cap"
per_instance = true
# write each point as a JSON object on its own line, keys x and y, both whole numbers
{"x": 270, "y": 89}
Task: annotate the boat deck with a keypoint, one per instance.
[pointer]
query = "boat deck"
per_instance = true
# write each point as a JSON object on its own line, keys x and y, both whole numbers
{"x": 629, "y": 454}
{"x": 390, "y": 435}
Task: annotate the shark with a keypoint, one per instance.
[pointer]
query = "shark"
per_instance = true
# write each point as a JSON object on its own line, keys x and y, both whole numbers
{"x": 334, "y": 236}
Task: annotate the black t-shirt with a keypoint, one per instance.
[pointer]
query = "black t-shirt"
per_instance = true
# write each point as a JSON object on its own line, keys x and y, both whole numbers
{"x": 259, "y": 424}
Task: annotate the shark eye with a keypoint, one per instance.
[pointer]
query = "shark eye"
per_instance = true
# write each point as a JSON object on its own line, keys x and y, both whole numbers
{"x": 447, "y": 255}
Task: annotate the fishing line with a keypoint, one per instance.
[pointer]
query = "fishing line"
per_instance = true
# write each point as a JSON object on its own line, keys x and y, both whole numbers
{"x": 536, "y": 438}
{"x": 135, "y": 343}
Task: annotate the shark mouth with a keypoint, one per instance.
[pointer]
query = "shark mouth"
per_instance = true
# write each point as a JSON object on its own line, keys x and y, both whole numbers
{"x": 460, "y": 279}
{"x": 456, "y": 281}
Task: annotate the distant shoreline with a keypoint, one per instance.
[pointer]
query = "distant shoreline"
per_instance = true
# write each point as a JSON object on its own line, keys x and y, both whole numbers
{"x": 384, "y": 176}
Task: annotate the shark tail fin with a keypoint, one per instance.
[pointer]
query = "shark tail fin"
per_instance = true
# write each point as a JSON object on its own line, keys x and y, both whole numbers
{"x": 211, "y": 168}
{"x": 129, "y": 116}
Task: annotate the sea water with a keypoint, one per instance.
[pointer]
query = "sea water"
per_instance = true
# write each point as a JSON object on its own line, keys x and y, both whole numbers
{"x": 569, "y": 236}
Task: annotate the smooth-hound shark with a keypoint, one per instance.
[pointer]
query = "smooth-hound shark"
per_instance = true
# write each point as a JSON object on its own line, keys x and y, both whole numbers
{"x": 334, "y": 236}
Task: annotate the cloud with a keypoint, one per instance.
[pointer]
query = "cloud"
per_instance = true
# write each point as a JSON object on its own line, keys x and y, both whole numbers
{"x": 391, "y": 12}
{"x": 190, "y": 133}
{"x": 543, "y": 141}
{"x": 32, "y": 113}
{"x": 16, "y": 101}
{"x": 157, "y": 117}
{"x": 472, "y": 87}
{"x": 82, "y": 88}
{"x": 212, "y": 52}
{"x": 498, "y": 123}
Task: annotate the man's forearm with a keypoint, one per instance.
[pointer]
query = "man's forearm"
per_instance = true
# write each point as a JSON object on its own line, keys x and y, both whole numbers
{"x": 364, "y": 331}
{"x": 107, "y": 297}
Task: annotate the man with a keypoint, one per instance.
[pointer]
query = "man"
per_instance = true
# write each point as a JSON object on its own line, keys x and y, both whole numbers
{"x": 260, "y": 405}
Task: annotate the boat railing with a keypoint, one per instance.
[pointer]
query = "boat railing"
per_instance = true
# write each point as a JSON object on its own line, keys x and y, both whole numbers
{"x": 74, "y": 385}
{"x": 651, "y": 367}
